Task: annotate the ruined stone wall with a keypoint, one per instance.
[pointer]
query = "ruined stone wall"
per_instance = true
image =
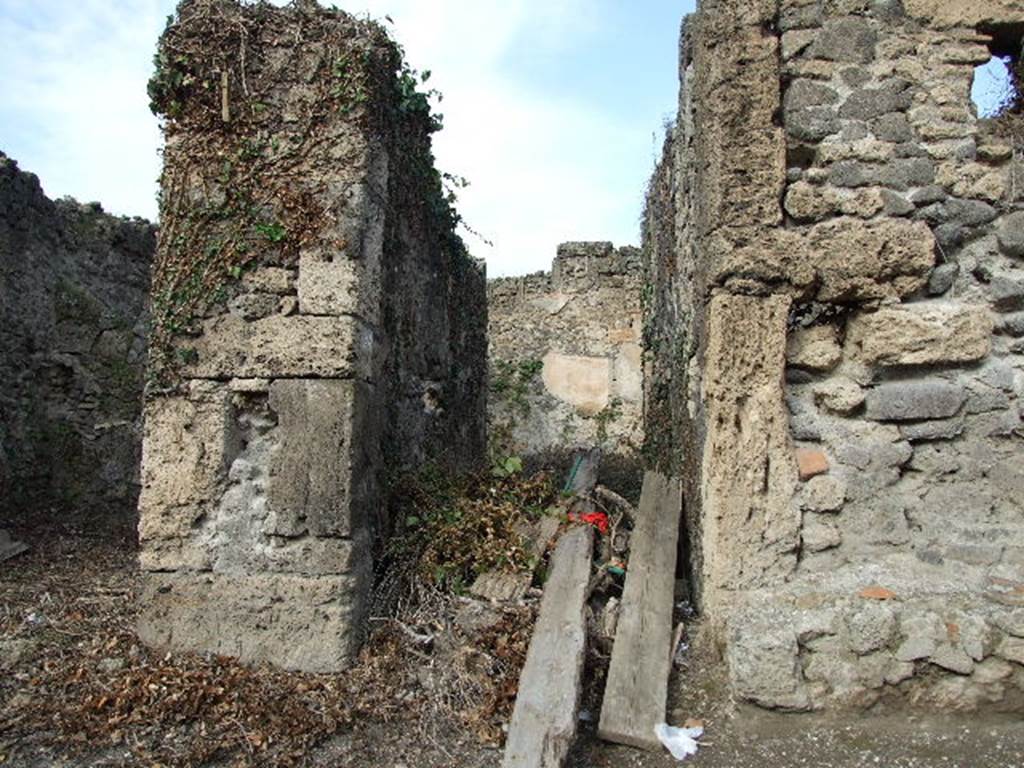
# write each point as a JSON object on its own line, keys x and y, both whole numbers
{"x": 318, "y": 326}
{"x": 833, "y": 239}
{"x": 566, "y": 367}
{"x": 73, "y": 316}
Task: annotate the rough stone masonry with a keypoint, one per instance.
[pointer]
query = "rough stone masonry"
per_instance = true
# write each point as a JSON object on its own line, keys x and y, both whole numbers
{"x": 833, "y": 248}
{"x": 73, "y": 314}
{"x": 316, "y": 325}
{"x": 566, "y": 368}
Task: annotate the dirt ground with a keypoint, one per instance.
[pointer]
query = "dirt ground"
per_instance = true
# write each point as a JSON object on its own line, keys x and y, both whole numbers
{"x": 78, "y": 690}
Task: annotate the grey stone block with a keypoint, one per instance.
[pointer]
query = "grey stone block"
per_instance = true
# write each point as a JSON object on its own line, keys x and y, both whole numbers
{"x": 942, "y": 429}
{"x": 999, "y": 374}
{"x": 805, "y": 93}
{"x": 942, "y": 278}
{"x": 921, "y": 636}
{"x": 855, "y": 77}
{"x": 969, "y": 213}
{"x": 950, "y": 236}
{"x": 871, "y": 103}
{"x": 896, "y": 205}
{"x": 851, "y": 174}
{"x": 1011, "y": 325}
{"x": 812, "y": 123}
{"x": 1007, "y": 294}
{"x": 1011, "y": 234}
{"x": 893, "y": 127}
{"x": 849, "y": 39}
{"x": 907, "y": 173}
{"x": 928, "y": 195}
{"x": 909, "y": 149}
{"x": 952, "y": 658}
{"x": 915, "y": 401}
{"x": 983, "y": 399}
{"x": 854, "y": 131}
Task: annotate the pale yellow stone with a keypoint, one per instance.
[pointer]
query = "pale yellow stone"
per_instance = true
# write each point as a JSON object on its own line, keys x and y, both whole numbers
{"x": 815, "y": 349}
{"x": 920, "y": 334}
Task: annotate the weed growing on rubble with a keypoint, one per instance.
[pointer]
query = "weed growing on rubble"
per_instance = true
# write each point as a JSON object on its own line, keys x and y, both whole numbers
{"x": 454, "y": 528}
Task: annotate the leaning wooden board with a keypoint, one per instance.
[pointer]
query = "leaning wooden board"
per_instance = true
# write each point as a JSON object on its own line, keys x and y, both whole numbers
{"x": 637, "y": 688}
{"x": 544, "y": 720}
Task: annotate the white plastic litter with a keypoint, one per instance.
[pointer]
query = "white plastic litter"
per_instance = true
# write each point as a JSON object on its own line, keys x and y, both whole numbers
{"x": 681, "y": 742}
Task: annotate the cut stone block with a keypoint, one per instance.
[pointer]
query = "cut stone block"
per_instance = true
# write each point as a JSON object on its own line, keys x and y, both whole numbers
{"x": 863, "y": 261}
{"x": 186, "y": 449}
{"x": 323, "y": 479}
{"x": 915, "y": 401}
{"x": 299, "y": 346}
{"x": 240, "y": 483}
{"x": 308, "y": 624}
{"x": 339, "y": 286}
{"x": 964, "y": 13}
{"x": 920, "y": 334}
{"x": 748, "y": 467}
{"x": 845, "y": 259}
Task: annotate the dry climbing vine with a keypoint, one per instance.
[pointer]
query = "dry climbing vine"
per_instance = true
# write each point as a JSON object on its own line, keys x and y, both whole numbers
{"x": 266, "y": 112}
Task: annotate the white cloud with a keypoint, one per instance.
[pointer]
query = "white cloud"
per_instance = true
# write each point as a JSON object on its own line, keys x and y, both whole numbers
{"x": 541, "y": 171}
{"x": 75, "y": 98}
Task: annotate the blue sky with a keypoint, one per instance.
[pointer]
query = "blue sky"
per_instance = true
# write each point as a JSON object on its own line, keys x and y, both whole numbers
{"x": 553, "y": 108}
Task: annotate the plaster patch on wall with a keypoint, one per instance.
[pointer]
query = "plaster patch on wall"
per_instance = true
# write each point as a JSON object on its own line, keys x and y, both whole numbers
{"x": 583, "y": 382}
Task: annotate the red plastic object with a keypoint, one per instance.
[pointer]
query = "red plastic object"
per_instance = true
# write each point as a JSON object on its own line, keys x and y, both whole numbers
{"x": 597, "y": 519}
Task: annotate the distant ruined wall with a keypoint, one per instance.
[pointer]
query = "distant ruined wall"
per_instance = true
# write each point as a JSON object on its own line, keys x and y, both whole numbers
{"x": 73, "y": 317}
{"x": 834, "y": 244}
{"x": 566, "y": 368}
{"x": 317, "y": 326}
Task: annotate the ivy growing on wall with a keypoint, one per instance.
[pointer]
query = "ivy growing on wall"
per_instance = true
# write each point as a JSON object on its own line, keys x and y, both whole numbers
{"x": 254, "y": 99}
{"x": 511, "y": 384}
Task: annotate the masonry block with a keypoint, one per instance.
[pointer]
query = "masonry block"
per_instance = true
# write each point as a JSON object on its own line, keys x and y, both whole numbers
{"x": 915, "y": 401}
{"x": 299, "y": 346}
{"x": 921, "y": 334}
{"x": 187, "y": 448}
{"x": 323, "y": 477}
{"x": 304, "y": 623}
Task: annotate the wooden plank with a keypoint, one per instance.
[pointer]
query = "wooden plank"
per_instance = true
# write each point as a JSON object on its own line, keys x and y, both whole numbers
{"x": 543, "y": 722}
{"x": 637, "y": 688}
